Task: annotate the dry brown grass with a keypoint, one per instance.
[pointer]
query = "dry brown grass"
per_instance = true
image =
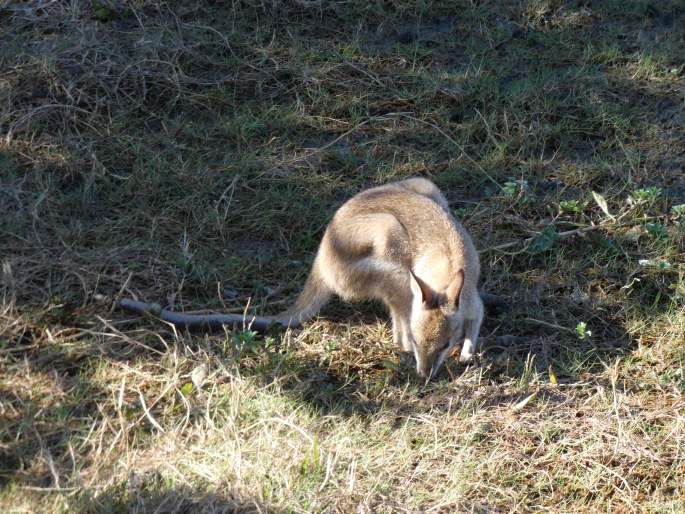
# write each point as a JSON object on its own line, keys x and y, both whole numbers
{"x": 191, "y": 154}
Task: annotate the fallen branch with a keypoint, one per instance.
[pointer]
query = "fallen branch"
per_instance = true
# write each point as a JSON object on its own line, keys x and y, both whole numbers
{"x": 560, "y": 235}
{"x": 568, "y": 233}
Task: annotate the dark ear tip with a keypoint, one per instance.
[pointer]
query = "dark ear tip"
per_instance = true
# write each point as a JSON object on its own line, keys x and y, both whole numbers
{"x": 432, "y": 303}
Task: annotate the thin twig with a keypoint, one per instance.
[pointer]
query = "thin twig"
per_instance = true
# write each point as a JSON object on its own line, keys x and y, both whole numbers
{"x": 569, "y": 233}
{"x": 560, "y": 235}
{"x": 148, "y": 414}
{"x": 549, "y": 325}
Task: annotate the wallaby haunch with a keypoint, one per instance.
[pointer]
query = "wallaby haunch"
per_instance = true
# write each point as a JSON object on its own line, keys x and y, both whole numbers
{"x": 397, "y": 243}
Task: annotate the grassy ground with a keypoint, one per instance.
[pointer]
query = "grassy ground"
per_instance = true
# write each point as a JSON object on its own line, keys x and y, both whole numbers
{"x": 190, "y": 153}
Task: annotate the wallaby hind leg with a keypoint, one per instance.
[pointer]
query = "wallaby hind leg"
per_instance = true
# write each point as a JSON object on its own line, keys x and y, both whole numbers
{"x": 313, "y": 297}
{"x": 354, "y": 257}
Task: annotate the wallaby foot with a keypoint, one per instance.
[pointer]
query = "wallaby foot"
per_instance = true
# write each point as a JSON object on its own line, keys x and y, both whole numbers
{"x": 470, "y": 346}
{"x": 466, "y": 355}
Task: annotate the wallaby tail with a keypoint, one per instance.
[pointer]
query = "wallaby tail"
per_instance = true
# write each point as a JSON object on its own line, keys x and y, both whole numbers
{"x": 206, "y": 322}
{"x": 314, "y": 295}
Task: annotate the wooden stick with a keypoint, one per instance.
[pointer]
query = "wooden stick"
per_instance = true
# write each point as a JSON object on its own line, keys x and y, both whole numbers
{"x": 570, "y": 233}
{"x": 560, "y": 235}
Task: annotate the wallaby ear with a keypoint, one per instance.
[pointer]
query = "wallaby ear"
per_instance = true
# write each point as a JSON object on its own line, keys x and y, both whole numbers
{"x": 454, "y": 289}
{"x": 422, "y": 290}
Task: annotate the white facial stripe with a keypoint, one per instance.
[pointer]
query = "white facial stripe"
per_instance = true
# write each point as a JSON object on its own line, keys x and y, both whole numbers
{"x": 417, "y": 356}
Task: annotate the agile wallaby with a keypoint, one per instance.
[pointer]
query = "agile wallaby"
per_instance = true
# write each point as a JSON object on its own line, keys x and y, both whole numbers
{"x": 397, "y": 243}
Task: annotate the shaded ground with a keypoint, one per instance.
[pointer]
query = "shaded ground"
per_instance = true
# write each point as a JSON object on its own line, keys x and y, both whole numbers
{"x": 192, "y": 154}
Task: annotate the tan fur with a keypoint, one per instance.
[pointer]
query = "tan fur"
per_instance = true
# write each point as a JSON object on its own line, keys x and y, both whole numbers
{"x": 399, "y": 243}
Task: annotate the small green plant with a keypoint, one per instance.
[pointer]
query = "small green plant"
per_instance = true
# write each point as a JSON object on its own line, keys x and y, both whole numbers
{"x": 646, "y": 196}
{"x": 246, "y": 341}
{"x": 678, "y": 211}
{"x": 516, "y": 188}
{"x": 582, "y": 332}
{"x": 543, "y": 241}
{"x": 460, "y": 212}
{"x": 527, "y": 373}
{"x": 311, "y": 464}
{"x": 674, "y": 378}
{"x": 186, "y": 389}
{"x": 572, "y": 206}
{"x": 331, "y": 346}
{"x": 184, "y": 260}
{"x": 657, "y": 230}
{"x": 102, "y": 12}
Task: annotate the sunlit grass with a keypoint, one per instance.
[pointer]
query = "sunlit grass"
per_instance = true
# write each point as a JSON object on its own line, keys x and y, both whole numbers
{"x": 192, "y": 155}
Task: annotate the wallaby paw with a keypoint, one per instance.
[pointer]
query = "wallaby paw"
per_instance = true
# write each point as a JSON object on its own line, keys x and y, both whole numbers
{"x": 466, "y": 357}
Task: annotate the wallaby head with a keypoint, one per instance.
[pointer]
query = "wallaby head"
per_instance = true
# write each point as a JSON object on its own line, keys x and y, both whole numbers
{"x": 435, "y": 323}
